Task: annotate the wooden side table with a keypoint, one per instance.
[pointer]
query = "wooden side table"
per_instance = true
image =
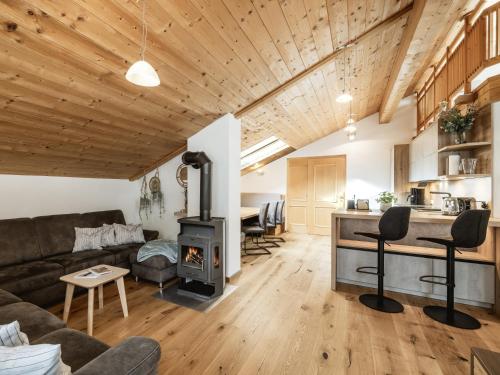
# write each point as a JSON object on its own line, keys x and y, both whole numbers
{"x": 71, "y": 281}
{"x": 484, "y": 362}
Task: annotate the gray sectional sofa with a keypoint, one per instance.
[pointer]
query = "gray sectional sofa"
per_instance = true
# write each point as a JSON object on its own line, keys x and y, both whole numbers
{"x": 35, "y": 253}
{"x": 85, "y": 354}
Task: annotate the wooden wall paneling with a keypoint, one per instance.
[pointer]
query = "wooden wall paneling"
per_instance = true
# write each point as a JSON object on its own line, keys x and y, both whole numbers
{"x": 57, "y": 93}
{"x": 72, "y": 46}
{"x": 318, "y": 16}
{"x": 275, "y": 22}
{"x": 251, "y": 24}
{"x": 175, "y": 38}
{"x": 28, "y": 115}
{"x": 401, "y": 171}
{"x": 167, "y": 51}
{"x": 338, "y": 18}
{"x": 66, "y": 61}
{"x": 297, "y": 18}
{"x": 226, "y": 25}
{"x": 193, "y": 23}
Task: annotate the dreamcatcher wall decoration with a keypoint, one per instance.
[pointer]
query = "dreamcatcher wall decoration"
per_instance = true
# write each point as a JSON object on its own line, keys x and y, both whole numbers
{"x": 156, "y": 193}
{"x": 145, "y": 199}
{"x": 151, "y": 196}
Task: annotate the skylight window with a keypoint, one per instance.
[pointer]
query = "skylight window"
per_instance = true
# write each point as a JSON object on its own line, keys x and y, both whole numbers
{"x": 261, "y": 150}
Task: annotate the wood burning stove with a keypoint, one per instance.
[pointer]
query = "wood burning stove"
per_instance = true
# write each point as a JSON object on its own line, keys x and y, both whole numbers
{"x": 200, "y": 264}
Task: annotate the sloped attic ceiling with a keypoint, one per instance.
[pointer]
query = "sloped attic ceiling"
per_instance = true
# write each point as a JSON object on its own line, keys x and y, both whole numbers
{"x": 67, "y": 110}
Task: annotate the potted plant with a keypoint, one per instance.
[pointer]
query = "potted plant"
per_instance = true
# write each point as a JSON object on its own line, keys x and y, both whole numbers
{"x": 386, "y": 199}
{"x": 454, "y": 122}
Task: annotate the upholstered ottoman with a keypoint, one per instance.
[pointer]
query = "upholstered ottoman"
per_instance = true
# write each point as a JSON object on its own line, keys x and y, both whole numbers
{"x": 157, "y": 269}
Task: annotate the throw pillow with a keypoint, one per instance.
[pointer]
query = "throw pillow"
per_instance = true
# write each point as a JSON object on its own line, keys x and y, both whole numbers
{"x": 87, "y": 239}
{"x": 130, "y": 233}
{"x": 32, "y": 359}
{"x": 108, "y": 235}
{"x": 11, "y": 335}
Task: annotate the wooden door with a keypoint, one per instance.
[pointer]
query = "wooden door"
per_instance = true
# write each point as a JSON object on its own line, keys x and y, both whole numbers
{"x": 326, "y": 191}
{"x": 316, "y": 186}
{"x": 296, "y": 198}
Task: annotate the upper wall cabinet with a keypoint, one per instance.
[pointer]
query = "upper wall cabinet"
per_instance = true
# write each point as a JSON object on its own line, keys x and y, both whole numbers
{"x": 424, "y": 155}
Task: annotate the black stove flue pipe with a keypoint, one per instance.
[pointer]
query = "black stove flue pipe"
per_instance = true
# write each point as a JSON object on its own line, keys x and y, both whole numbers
{"x": 200, "y": 160}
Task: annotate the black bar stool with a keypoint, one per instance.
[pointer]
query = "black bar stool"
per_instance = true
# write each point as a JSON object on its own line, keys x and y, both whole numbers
{"x": 468, "y": 230}
{"x": 393, "y": 226}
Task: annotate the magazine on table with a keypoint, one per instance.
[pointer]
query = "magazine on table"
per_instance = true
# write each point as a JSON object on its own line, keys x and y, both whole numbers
{"x": 93, "y": 273}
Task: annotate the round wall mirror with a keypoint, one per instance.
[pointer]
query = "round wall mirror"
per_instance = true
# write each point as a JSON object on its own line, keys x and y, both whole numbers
{"x": 182, "y": 175}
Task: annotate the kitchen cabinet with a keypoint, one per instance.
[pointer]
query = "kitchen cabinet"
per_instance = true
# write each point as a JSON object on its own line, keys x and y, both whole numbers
{"x": 424, "y": 155}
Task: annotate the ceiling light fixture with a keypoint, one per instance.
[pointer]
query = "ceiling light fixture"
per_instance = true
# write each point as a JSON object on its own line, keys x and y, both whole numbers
{"x": 351, "y": 125}
{"x": 141, "y": 73}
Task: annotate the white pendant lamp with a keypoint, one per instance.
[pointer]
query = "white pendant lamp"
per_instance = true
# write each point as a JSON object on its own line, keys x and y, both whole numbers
{"x": 344, "y": 98}
{"x": 141, "y": 72}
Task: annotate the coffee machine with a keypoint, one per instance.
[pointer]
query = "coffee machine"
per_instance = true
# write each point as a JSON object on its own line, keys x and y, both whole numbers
{"x": 416, "y": 197}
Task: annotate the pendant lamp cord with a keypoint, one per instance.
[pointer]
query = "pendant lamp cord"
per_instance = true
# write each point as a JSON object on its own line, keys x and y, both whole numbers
{"x": 144, "y": 29}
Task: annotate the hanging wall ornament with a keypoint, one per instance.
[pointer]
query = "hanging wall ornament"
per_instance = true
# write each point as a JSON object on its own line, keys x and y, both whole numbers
{"x": 181, "y": 176}
{"x": 145, "y": 200}
{"x": 156, "y": 193}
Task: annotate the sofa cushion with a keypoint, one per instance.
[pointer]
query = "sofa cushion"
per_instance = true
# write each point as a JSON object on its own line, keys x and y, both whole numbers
{"x": 80, "y": 260}
{"x": 159, "y": 262}
{"x": 99, "y": 218}
{"x": 122, "y": 253}
{"x": 33, "y": 320}
{"x": 56, "y": 233}
{"x": 77, "y": 348}
{"x": 18, "y": 242}
{"x": 7, "y": 298}
{"x": 20, "y": 278}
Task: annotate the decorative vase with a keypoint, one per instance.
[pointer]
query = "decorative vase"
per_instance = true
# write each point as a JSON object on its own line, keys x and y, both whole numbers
{"x": 460, "y": 137}
{"x": 385, "y": 206}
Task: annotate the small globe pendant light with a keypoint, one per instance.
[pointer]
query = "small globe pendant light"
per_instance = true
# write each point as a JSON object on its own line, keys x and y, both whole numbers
{"x": 141, "y": 73}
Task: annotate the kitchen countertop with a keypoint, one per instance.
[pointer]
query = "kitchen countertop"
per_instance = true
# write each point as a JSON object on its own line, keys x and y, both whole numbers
{"x": 416, "y": 216}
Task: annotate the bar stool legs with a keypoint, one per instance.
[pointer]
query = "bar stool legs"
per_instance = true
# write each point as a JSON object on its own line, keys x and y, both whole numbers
{"x": 448, "y": 315}
{"x": 379, "y": 301}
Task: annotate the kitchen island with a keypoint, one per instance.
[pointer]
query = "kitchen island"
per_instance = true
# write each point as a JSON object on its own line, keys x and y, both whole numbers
{"x": 408, "y": 259}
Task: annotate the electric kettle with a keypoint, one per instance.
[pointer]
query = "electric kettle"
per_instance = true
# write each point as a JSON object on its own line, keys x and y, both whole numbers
{"x": 451, "y": 206}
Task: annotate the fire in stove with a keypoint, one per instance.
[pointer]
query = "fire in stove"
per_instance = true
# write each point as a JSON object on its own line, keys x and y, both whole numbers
{"x": 194, "y": 255}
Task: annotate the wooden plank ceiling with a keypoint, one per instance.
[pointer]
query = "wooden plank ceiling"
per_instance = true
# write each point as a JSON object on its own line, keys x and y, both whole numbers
{"x": 67, "y": 110}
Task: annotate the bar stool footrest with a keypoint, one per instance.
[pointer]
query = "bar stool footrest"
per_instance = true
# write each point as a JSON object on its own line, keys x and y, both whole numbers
{"x": 362, "y": 270}
{"x": 426, "y": 277}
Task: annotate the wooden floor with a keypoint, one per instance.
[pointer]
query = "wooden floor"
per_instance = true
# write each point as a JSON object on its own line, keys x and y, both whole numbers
{"x": 284, "y": 319}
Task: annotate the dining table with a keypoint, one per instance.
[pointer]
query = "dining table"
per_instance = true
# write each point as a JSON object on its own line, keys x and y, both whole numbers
{"x": 248, "y": 212}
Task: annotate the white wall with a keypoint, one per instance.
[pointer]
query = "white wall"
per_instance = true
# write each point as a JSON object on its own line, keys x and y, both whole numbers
{"x": 173, "y": 197}
{"x": 368, "y": 158}
{"x": 221, "y": 142}
{"x": 479, "y": 188}
{"x": 29, "y": 196}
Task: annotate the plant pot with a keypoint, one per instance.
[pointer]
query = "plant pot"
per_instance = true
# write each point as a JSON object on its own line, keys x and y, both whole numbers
{"x": 385, "y": 206}
{"x": 460, "y": 138}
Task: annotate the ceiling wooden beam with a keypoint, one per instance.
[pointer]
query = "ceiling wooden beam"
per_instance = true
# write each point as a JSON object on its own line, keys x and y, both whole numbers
{"x": 329, "y": 58}
{"x": 399, "y": 80}
{"x": 427, "y": 24}
{"x": 159, "y": 162}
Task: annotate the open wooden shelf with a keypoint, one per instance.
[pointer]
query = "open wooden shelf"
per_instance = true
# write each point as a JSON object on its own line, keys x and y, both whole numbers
{"x": 456, "y": 177}
{"x": 464, "y": 146}
{"x": 415, "y": 250}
